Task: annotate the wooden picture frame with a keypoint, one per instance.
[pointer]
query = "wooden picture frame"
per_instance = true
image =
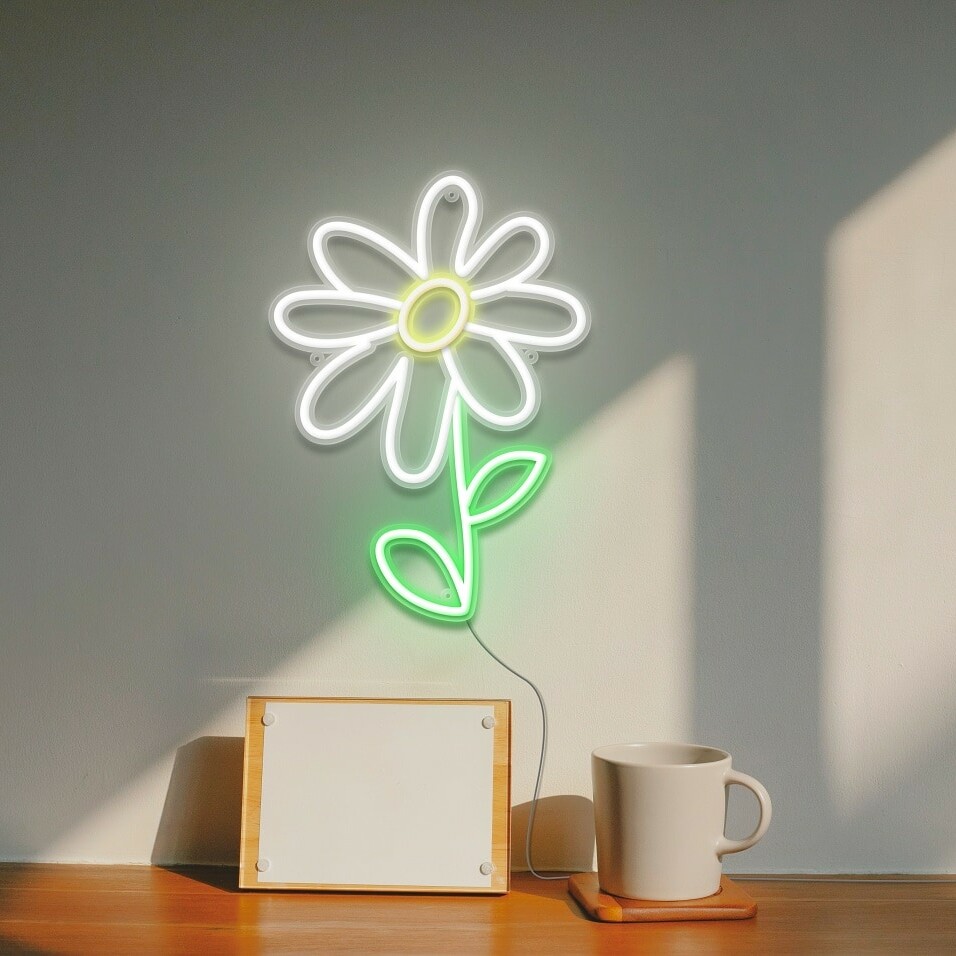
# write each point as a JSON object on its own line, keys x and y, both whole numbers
{"x": 376, "y": 794}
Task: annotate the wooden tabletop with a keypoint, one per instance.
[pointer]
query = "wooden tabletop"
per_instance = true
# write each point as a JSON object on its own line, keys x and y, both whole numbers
{"x": 200, "y": 911}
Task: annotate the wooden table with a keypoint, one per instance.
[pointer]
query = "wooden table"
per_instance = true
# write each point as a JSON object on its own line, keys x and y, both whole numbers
{"x": 199, "y": 911}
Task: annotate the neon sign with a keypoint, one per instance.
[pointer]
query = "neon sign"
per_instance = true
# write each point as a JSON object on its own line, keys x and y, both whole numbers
{"x": 379, "y": 317}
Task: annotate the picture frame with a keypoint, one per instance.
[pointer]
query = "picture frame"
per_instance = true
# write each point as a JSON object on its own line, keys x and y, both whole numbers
{"x": 377, "y": 795}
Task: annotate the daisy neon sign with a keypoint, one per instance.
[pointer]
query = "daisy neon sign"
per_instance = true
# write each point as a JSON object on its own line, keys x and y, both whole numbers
{"x": 462, "y": 293}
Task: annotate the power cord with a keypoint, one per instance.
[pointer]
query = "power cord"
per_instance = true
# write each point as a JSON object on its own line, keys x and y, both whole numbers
{"x": 544, "y": 750}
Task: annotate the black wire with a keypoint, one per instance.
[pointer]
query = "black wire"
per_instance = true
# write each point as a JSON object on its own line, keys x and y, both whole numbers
{"x": 544, "y": 750}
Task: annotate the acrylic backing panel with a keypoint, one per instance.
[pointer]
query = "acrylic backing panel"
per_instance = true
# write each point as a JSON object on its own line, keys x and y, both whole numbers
{"x": 355, "y": 794}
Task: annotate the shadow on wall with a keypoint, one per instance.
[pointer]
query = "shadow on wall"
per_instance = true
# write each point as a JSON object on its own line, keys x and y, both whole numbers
{"x": 201, "y": 818}
{"x": 202, "y": 815}
{"x": 563, "y": 837}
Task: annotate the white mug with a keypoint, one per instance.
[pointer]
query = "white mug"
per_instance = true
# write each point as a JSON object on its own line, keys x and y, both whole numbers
{"x": 659, "y": 812}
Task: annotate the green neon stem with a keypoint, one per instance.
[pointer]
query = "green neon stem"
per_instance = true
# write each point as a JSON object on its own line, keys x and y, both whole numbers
{"x": 460, "y": 573}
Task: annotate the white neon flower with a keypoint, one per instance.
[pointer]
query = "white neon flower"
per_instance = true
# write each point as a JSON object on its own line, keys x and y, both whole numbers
{"x": 382, "y": 316}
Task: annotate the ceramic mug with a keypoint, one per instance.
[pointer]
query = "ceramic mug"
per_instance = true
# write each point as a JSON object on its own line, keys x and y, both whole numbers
{"x": 659, "y": 811}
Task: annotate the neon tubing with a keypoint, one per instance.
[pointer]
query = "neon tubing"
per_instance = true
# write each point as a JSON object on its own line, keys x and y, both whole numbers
{"x": 461, "y": 574}
{"x": 375, "y": 316}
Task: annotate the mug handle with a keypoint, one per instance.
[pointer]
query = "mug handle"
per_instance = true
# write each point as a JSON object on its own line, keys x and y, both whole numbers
{"x": 725, "y": 845}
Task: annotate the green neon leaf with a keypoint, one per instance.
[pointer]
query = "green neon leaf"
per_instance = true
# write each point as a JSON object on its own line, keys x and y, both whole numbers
{"x": 530, "y": 466}
{"x": 458, "y": 600}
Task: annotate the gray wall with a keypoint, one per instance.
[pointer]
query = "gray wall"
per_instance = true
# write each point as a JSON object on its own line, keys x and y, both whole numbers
{"x": 168, "y": 539}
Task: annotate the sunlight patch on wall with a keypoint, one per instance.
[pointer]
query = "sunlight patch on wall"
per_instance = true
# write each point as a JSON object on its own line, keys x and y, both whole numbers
{"x": 890, "y": 488}
{"x": 590, "y": 595}
{"x": 594, "y": 592}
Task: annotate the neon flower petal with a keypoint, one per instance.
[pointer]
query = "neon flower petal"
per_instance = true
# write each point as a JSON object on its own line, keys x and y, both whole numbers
{"x": 397, "y": 467}
{"x": 452, "y": 187}
{"x": 553, "y": 341}
{"x": 313, "y": 342}
{"x": 323, "y": 434}
{"x": 365, "y": 235}
{"x": 527, "y": 383}
{"x": 468, "y": 264}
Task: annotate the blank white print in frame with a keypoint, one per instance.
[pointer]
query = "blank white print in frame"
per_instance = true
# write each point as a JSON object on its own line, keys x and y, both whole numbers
{"x": 386, "y": 795}
{"x": 395, "y": 315}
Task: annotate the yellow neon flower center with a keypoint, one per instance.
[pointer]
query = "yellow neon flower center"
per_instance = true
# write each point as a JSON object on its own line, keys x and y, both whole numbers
{"x": 419, "y": 310}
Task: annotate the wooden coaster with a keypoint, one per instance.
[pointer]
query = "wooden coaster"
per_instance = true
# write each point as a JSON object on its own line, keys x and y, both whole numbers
{"x": 729, "y": 902}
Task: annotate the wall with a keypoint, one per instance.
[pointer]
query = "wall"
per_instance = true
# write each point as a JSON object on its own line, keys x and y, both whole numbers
{"x": 743, "y": 195}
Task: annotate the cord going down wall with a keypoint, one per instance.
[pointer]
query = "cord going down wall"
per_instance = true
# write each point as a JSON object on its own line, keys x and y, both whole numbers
{"x": 544, "y": 750}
